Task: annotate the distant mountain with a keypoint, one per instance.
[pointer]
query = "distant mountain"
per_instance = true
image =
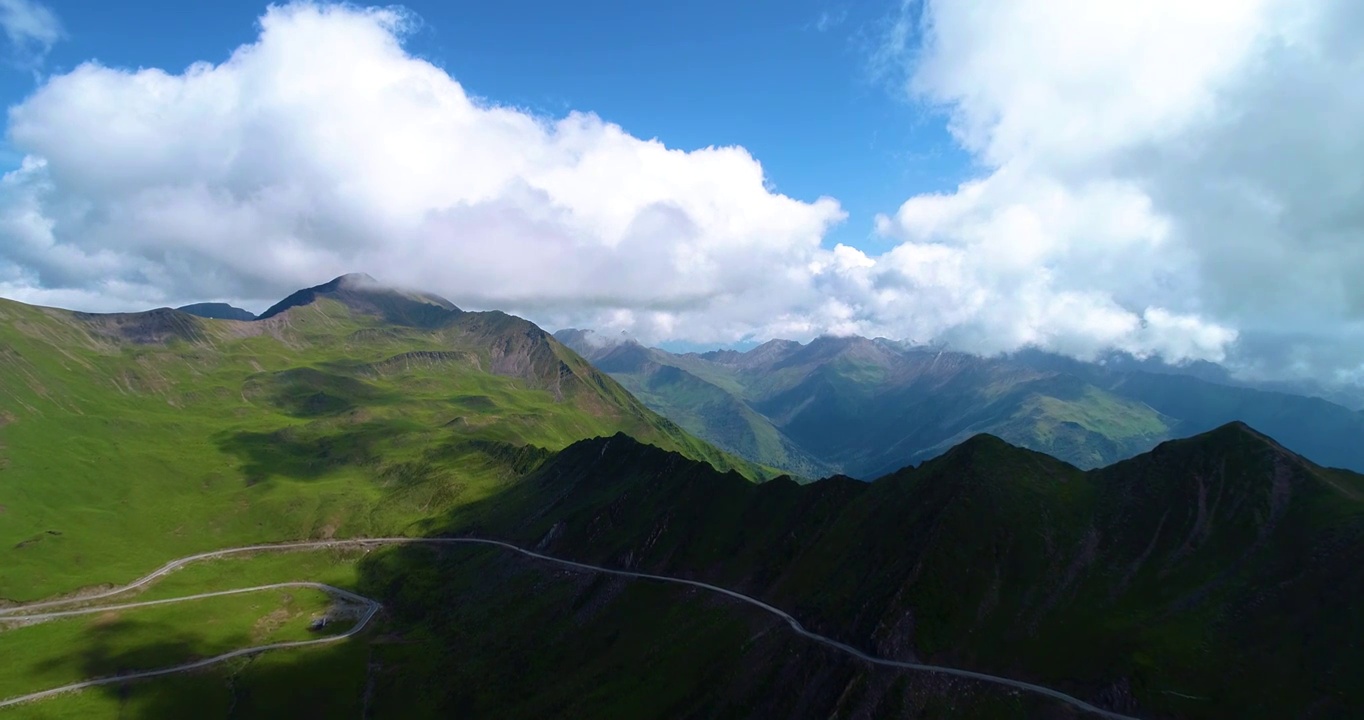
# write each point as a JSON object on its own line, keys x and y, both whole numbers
{"x": 707, "y": 410}
{"x": 1217, "y": 576}
{"x": 217, "y": 311}
{"x": 866, "y": 407}
{"x": 1348, "y": 396}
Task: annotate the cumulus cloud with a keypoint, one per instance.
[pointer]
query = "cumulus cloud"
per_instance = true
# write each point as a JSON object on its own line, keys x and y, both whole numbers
{"x": 31, "y": 28}
{"x": 324, "y": 147}
{"x": 1179, "y": 169}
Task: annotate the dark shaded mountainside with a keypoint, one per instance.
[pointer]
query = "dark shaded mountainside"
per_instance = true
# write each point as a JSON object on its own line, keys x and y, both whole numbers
{"x": 1212, "y": 577}
{"x": 866, "y": 407}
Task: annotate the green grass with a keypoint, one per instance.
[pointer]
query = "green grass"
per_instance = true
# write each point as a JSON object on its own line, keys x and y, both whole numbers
{"x": 60, "y": 652}
{"x": 117, "y": 456}
{"x": 63, "y": 651}
{"x": 1100, "y": 412}
{"x": 335, "y": 567}
{"x": 324, "y": 681}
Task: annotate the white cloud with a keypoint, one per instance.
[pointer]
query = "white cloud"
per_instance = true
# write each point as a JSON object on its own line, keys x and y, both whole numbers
{"x": 31, "y": 28}
{"x": 1191, "y": 165}
{"x": 324, "y": 147}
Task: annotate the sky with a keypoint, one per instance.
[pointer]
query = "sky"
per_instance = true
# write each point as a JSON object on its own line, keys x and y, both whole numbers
{"x": 1169, "y": 179}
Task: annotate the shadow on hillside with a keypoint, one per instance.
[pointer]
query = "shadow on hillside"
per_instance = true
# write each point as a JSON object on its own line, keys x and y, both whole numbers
{"x": 328, "y": 681}
{"x": 124, "y": 646}
{"x": 115, "y": 647}
{"x": 307, "y": 452}
{"x": 377, "y": 447}
{"x": 307, "y": 392}
{"x": 472, "y": 631}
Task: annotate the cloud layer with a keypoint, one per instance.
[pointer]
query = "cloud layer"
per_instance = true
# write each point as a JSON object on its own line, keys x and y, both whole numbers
{"x": 1133, "y": 194}
{"x": 1193, "y": 158}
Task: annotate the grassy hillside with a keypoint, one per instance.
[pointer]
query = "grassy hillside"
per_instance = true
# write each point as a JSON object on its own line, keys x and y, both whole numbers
{"x": 126, "y": 440}
{"x": 61, "y": 652}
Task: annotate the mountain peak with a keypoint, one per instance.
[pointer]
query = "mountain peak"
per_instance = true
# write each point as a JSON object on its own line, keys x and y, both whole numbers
{"x": 363, "y": 294}
{"x": 983, "y": 445}
{"x": 355, "y": 281}
{"x": 1238, "y": 431}
{"x": 592, "y": 344}
{"x": 217, "y": 311}
{"x": 628, "y": 356}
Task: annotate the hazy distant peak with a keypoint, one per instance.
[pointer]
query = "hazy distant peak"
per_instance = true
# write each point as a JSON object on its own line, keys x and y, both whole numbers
{"x": 217, "y": 311}
{"x": 362, "y": 293}
{"x": 592, "y": 344}
{"x": 356, "y": 281}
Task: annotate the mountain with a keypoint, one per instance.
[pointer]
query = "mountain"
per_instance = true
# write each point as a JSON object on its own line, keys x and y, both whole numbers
{"x": 1215, "y": 576}
{"x": 363, "y": 294}
{"x": 703, "y": 408}
{"x": 348, "y": 409}
{"x": 217, "y": 311}
{"x": 866, "y": 407}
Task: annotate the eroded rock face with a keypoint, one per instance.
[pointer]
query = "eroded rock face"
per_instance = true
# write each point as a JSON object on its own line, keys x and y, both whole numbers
{"x": 153, "y": 327}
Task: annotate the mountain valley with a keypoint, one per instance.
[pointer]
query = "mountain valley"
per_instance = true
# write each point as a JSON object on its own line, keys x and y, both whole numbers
{"x": 868, "y": 407}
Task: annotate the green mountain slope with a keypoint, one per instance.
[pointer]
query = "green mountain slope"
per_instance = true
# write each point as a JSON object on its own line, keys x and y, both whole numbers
{"x": 128, "y": 439}
{"x": 702, "y": 407}
{"x": 1212, "y": 577}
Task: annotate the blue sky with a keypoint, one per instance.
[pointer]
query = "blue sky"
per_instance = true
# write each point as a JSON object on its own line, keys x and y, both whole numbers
{"x": 793, "y": 82}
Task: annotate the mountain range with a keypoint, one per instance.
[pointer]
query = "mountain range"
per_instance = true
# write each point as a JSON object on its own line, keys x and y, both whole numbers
{"x": 866, "y": 407}
{"x": 1211, "y": 576}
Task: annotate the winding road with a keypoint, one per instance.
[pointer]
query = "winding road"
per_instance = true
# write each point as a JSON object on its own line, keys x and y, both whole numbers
{"x": 372, "y": 607}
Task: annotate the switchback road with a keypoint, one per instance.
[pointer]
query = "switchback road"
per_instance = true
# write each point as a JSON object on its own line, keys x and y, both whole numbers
{"x": 27, "y": 612}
